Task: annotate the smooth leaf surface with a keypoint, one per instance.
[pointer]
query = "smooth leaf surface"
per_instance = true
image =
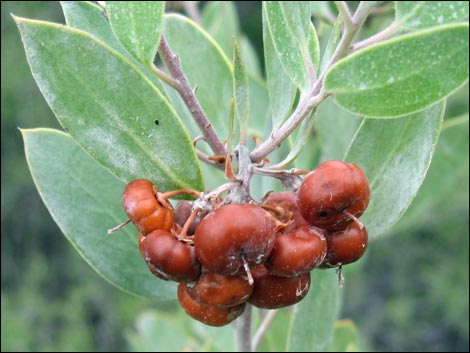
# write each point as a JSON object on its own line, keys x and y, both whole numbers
{"x": 447, "y": 179}
{"x": 91, "y": 18}
{"x": 241, "y": 91}
{"x": 285, "y": 28}
{"x": 422, "y": 14}
{"x": 404, "y": 74}
{"x": 220, "y": 20}
{"x": 314, "y": 49}
{"x": 395, "y": 154}
{"x": 205, "y": 66}
{"x": 137, "y": 25}
{"x": 107, "y": 104}
{"x": 314, "y": 317}
{"x": 85, "y": 201}
{"x": 250, "y": 56}
{"x": 280, "y": 87}
{"x": 275, "y": 338}
{"x": 346, "y": 338}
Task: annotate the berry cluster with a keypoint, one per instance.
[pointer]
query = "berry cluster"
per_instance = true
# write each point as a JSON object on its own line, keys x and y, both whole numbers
{"x": 258, "y": 253}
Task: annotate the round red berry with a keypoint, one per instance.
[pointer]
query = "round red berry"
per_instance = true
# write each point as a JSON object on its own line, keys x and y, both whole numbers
{"x": 283, "y": 206}
{"x": 219, "y": 290}
{"x": 331, "y": 191}
{"x": 210, "y": 315}
{"x": 144, "y": 209}
{"x": 168, "y": 258}
{"x": 345, "y": 246}
{"x": 297, "y": 252}
{"x": 273, "y": 292}
{"x": 233, "y": 234}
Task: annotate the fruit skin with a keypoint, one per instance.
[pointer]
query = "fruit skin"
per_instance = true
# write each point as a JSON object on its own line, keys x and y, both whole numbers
{"x": 232, "y": 233}
{"x": 297, "y": 252}
{"x": 286, "y": 209}
{"x": 168, "y": 258}
{"x": 219, "y": 290}
{"x": 345, "y": 246}
{"x": 144, "y": 210}
{"x": 273, "y": 292}
{"x": 210, "y": 315}
{"x": 329, "y": 190}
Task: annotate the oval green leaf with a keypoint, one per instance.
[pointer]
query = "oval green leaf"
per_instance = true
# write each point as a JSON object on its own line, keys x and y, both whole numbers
{"x": 447, "y": 179}
{"x": 422, "y": 14}
{"x": 346, "y": 338}
{"x": 109, "y": 107}
{"x": 280, "y": 87}
{"x": 402, "y": 75}
{"x": 395, "y": 154}
{"x": 289, "y": 26}
{"x": 241, "y": 92}
{"x": 137, "y": 25}
{"x": 314, "y": 318}
{"x": 91, "y": 18}
{"x": 220, "y": 20}
{"x": 205, "y": 66}
{"x": 85, "y": 201}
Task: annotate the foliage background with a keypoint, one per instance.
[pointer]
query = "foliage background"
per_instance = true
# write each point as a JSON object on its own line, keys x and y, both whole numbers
{"x": 410, "y": 293}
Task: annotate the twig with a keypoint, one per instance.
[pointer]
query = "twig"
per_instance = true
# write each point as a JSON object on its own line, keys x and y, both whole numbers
{"x": 164, "y": 77}
{"x": 263, "y": 328}
{"x": 343, "y": 9}
{"x": 378, "y": 37}
{"x": 187, "y": 94}
{"x": 243, "y": 331}
{"x": 316, "y": 94}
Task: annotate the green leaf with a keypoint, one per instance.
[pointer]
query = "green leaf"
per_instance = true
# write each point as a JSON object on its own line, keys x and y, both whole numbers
{"x": 335, "y": 129}
{"x": 91, "y": 18}
{"x": 314, "y": 48}
{"x": 259, "y": 106}
{"x": 402, "y": 75}
{"x": 280, "y": 87}
{"x": 333, "y": 41}
{"x": 449, "y": 168}
{"x": 109, "y": 107}
{"x": 205, "y": 66}
{"x": 289, "y": 26}
{"x": 220, "y": 20}
{"x": 422, "y": 14}
{"x": 241, "y": 92}
{"x": 395, "y": 154}
{"x": 85, "y": 201}
{"x": 250, "y": 57}
{"x": 314, "y": 317}
{"x": 175, "y": 331}
{"x": 321, "y": 9}
{"x": 137, "y": 25}
{"x": 275, "y": 338}
{"x": 346, "y": 338}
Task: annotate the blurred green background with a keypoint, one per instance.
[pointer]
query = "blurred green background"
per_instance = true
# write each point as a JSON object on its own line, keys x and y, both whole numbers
{"x": 410, "y": 293}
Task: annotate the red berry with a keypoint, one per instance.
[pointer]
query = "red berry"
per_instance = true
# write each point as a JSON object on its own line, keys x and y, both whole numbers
{"x": 332, "y": 190}
{"x": 345, "y": 246}
{"x": 273, "y": 292}
{"x": 285, "y": 209}
{"x": 219, "y": 290}
{"x": 210, "y": 315}
{"x": 144, "y": 209}
{"x": 168, "y": 258}
{"x": 233, "y": 234}
{"x": 297, "y": 252}
{"x": 182, "y": 212}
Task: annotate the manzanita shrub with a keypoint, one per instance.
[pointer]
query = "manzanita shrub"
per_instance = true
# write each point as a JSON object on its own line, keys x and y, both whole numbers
{"x": 345, "y": 117}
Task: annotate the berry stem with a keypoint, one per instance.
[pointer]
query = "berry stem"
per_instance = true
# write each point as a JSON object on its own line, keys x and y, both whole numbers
{"x": 119, "y": 226}
{"x": 189, "y": 97}
{"x": 170, "y": 194}
{"x": 187, "y": 224}
{"x": 248, "y": 271}
{"x": 263, "y": 328}
{"x": 354, "y": 218}
{"x": 242, "y": 328}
